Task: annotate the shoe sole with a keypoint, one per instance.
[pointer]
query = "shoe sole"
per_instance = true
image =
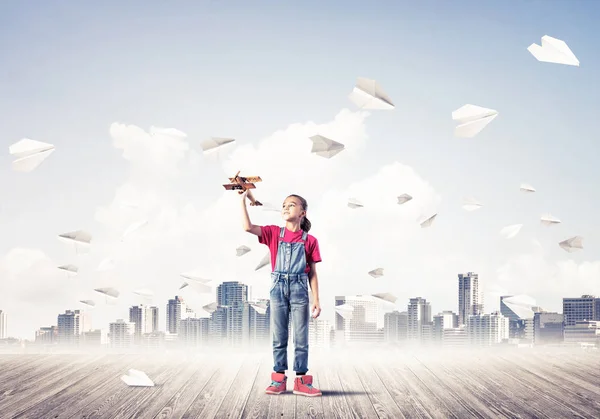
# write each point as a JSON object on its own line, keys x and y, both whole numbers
{"x": 299, "y": 393}
{"x": 274, "y": 392}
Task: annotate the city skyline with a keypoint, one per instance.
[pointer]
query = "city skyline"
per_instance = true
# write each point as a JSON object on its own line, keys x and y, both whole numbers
{"x": 94, "y": 93}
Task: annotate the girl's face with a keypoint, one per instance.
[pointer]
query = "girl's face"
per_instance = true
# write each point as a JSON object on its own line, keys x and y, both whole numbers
{"x": 292, "y": 209}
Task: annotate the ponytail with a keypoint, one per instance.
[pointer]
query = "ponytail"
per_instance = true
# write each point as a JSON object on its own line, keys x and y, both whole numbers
{"x": 305, "y": 224}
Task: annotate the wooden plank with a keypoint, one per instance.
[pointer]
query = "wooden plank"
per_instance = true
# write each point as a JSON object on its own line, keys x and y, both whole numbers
{"x": 358, "y": 401}
{"x": 447, "y": 394}
{"x": 334, "y": 400}
{"x": 177, "y": 405}
{"x": 235, "y": 399}
{"x": 210, "y": 397}
{"x": 99, "y": 372}
{"x": 31, "y": 391}
{"x": 257, "y": 405}
{"x": 383, "y": 403}
{"x": 116, "y": 392}
{"x": 23, "y": 370}
{"x": 173, "y": 366}
{"x": 282, "y": 405}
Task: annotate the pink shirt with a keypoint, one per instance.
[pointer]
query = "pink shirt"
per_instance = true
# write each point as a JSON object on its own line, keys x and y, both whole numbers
{"x": 269, "y": 235}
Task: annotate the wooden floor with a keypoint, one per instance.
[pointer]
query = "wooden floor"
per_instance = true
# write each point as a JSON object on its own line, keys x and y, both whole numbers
{"x": 513, "y": 383}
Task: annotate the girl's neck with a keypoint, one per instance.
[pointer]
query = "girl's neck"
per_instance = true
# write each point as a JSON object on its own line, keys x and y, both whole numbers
{"x": 292, "y": 226}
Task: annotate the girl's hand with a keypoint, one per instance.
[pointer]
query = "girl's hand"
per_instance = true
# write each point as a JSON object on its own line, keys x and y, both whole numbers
{"x": 315, "y": 309}
{"x": 243, "y": 194}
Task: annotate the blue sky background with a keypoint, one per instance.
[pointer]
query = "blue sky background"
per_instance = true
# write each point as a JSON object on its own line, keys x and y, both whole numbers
{"x": 247, "y": 69}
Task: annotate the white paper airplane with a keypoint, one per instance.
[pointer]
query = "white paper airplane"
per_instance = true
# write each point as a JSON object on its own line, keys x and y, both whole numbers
{"x": 345, "y": 310}
{"x": 471, "y": 204}
{"x": 428, "y": 222}
{"x": 71, "y": 269}
{"x": 472, "y": 120}
{"x": 109, "y": 292}
{"x": 525, "y": 187}
{"x": 386, "y": 296}
{"x": 242, "y": 250}
{"x": 511, "y": 231}
{"x": 137, "y": 378}
{"x": 78, "y": 237}
{"x": 29, "y": 153}
{"x": 354, "y": 203}
{"x": 368, "y": 94}
{"x": 144, "y": 292}
{"x": 264, "y": 261}
{"x": 376, "y": 273}
{"x": 325, "y": 147}
{"x": 572, "y": 245}
{"x": 215, "y": 143}
{"x": 549, "y": 219}
{"x": 404, "y": 198}
{"x": 211, "y": 307}
{"x": 90, "y": 303}
{"x": 553, "y": 51}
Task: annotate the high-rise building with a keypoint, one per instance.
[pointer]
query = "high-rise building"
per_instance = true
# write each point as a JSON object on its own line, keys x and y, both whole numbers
{"x": 70, "y": 326}
{"x": 175, "y": 309}
{"x": 143, "y": 317}
{"x": 121, "y": 334}
{"x": 548, "y": 328}
{"x": 3, "y": 325}
{"x": 584, "y": 308}
{"x": 395, "y": 326}
{"x": 520, "y": 310}
{"x": 260, "y": 322}
{"x": 231, "y": 293}
{"x": 319, "y": 333}
{"x": 444, "y": 320}
{"x": 47, "y": 335}
{"x": 419, "y": 314}
{"x": 584, "y": 331}
{"x": 362, "y": 326}
{"x": 194, "y": 331}
{"x": 487, "y": 329}
{"x": 470, "y": 296}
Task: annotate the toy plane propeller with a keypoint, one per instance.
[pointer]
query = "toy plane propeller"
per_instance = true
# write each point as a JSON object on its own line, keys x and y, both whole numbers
{"x": 243, "y": 183}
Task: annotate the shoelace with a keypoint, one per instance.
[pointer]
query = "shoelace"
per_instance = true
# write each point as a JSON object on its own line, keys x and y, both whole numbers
{"x": 276, "y": 383}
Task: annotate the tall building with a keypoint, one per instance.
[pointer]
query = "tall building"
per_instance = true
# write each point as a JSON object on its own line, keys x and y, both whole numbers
{"x": 260, "y": 322}
{"x": 520, "y": 310}
{"x": 319, "y": 333}
{"x": 70, "y": 326}
{"x": 584, "y": 331}
{"x": 419, "y": 314}
{"x": 487, "y": 329}
{"x": 231, "y": 293}
{"x": 194, "y": 331}
{"x": 584, "y": 308}
{"x": 145, "y": 319}
{"x": 442, "y": 321}
{"x": 3, "y": 325}
{"x": 47, "y": 335}
{"x": 395, "y": 326}
{"x": 121, "y": 334}
{"x": 175, "y": 308}
{"x": 548, "y": 328}
{"x": 470, "y": 297}
{"x": 362, "y": 326}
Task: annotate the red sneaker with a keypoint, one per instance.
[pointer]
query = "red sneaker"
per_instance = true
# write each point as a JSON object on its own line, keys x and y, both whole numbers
{"x": 278, "y": 383}
{"x": 303, "y": 386}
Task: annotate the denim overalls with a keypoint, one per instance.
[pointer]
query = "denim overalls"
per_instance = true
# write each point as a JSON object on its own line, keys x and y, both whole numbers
{"x": 289, "y": 293}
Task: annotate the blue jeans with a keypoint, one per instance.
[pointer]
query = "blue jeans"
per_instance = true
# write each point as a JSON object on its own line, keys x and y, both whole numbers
{"x": 289, "y": 294}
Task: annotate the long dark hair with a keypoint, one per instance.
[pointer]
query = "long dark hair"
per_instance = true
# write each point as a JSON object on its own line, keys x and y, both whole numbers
{"x": 305, "y": 223}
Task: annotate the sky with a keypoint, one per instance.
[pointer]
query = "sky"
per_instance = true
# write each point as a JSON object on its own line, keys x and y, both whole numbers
{"x": 93, "y": 79}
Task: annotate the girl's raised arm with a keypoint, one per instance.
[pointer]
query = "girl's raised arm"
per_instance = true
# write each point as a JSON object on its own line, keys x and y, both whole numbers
{"x": 248, "y": 226}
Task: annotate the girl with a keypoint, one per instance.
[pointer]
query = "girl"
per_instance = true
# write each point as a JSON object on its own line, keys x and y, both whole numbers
{"x": 294, "y": 255}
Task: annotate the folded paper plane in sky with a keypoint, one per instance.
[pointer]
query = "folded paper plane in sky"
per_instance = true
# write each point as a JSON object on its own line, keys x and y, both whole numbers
{"x": 325, "y": 147}
{"x": 214, "y": 143}
{"x": 144, "y": 292}
{"x": 137, "y": 378}
{"x": 549, "y": 219}
{"x": 572, "y": 245}
{"x": 345, "y": 310}
{"x": 368, "y": 94}
{"x": 471, "y": 204}
{"x": 29, "y": 153}
{"x": 511, "y": 231}
{"x": 428, "y": 222}
{"x": 376, "y": 273}
{"x": 264, "y": 261}
{"x": 71, "y": 269}
{"x": 78, "y": 237}
{"x": 109, "y": 292}
{"x": 242, "y": 250}
{"x": 354, "y": 203}
{"x": 472, "y": 120}
{"x": 386, "y": 296}
{"x": 525, "y": 187}
{"x": 404, "y": 198}
{"x": 553, "y": 51}
{"x": 89, "y": 303}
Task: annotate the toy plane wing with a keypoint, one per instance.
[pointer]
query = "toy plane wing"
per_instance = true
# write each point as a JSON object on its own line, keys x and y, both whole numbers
{"x": 251, "y": 178}
{"x": 235, "y": 186}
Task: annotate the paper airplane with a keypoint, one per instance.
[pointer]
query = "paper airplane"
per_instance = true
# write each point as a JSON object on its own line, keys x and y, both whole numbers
{"x": 471, "y": 204}
{"x": 553, "y": 51}
{"x": 72, "y": 269}
{"x": 195, "y": 276}
{"x": 376, "y": 273}
{"x": 345, "y": 310}
{"x": 214, "y": 143}
{"x": 144, "y": 292}
{"x": 29, "y": 153}
{"x": 325, "y": 147}
{"x": 264, "y": 261}
{"x": 472, "y": 120}
{"x": 110, "y": 292}
{"x": 386, "y": 296}
{"x": 404, "y": 198}
{"x": 78, "y": 237}
{"x": 572, "y": 245}
{"x": 522, "y": 305}
{"x": 90, "y": 303}
{"x": 526, "y": 188}
{"x": 137, "y": 379}
{"x": 270, "y": 207}
{"x": 171, "y": 132}
{"x": 260, "y": 309}
{"x": 368, "y": 94}
{"x": 242, "y": 250}
{"x": 511, "y": 231}
{"x": 548, "y": 220}
{"x": 354, "y": 203}
{"x": 211, "y": 307}
{"x": 428, "y": 222}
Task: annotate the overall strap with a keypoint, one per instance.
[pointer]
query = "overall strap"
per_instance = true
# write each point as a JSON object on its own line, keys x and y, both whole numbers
{"x": 304, "y": 235}
{"x": 281, "y": 233}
